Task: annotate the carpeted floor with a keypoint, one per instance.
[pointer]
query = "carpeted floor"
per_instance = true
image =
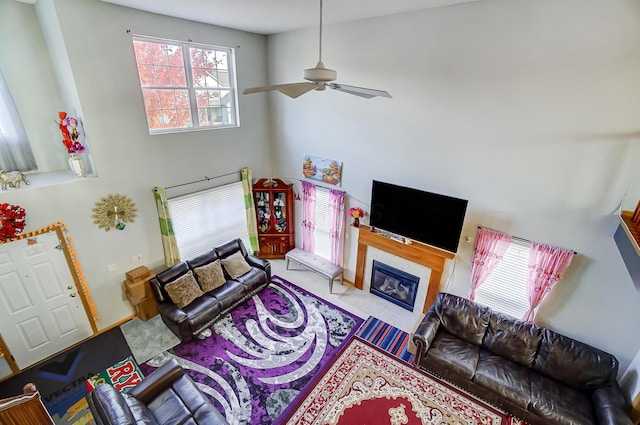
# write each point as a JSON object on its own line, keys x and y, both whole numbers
{"x": 365, "y": 385}
{"x": 263, "y": 353}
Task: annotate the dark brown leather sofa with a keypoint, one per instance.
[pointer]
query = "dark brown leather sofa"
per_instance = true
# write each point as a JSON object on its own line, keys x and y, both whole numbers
{"x": 535, "y": 374}
{"x": 167, "y": 396}
{"x": 190, "y": 320}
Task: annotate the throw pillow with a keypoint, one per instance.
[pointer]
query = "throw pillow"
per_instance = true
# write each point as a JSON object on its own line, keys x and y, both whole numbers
{"x": 236, "y": 265}
{"x": 183, "y": 290}
{"x": 210, "y": 276}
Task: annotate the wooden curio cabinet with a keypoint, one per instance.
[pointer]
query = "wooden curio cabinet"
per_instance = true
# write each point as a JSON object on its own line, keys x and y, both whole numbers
{"x": 274, "y": 212}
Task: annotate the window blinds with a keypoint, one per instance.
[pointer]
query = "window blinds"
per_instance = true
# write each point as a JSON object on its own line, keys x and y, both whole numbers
{"x": 209, "y": 218}
{"x": 505, "y": 290}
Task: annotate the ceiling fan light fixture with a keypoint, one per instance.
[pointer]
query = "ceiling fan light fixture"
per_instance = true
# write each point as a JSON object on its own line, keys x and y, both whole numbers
{"x": 320, "y": 74}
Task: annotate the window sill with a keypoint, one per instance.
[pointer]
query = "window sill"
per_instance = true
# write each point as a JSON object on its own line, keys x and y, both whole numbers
{"x": 54, "y": 178}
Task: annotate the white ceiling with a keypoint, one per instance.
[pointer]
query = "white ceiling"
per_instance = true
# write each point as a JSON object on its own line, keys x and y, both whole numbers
{"x": 274, "y": 16}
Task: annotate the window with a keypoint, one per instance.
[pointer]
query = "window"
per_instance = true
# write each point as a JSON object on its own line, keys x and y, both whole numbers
{"x": 505, "y": 289}
{"x": 321, "y": 236}
{"x": 209, "y": 218}
{"x": 186, "y": 86}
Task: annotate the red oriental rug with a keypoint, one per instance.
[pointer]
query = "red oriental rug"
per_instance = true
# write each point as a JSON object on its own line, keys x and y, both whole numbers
{"x": 367, "y": 386}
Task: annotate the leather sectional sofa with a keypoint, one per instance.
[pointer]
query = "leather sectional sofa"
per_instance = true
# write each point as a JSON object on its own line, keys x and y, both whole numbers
{"x": 167, "y": 396}
{"x": 240, "y": 276}
{"x": 533, "y": 373}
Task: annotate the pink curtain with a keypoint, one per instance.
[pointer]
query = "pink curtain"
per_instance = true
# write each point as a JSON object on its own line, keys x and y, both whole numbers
{"x": 336, "y": 226}
{"x": 547, "y": 265}
{"x": 490, "y": 248}
{"x": 308, "y": 215}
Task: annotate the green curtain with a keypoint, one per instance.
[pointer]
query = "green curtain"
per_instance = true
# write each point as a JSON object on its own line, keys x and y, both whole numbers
{"x": 171, "y": 254}
{"x": 252, "y": 226}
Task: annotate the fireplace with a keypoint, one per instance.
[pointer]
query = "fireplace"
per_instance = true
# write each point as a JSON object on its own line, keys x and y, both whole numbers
{"x": 394, "y": 285}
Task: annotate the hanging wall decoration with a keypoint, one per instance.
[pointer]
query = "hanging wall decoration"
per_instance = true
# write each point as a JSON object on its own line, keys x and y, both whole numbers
{"x": 321, "y": 169}
{"x": 114, "y": 210}
{"x": 12, "y": 221}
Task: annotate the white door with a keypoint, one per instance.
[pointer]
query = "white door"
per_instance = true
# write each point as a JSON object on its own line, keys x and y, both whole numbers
{"x": 40, "y": 309}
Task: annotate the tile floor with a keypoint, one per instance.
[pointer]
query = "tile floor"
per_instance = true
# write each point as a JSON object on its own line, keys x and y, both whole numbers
{"x": 359, "y": 302}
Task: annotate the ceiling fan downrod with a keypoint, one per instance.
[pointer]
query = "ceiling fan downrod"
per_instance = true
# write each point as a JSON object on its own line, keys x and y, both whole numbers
{"x": 320, "y": 74}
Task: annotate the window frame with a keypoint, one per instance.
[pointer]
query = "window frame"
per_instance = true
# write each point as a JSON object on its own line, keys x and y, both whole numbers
{"x": 191, "y": 88}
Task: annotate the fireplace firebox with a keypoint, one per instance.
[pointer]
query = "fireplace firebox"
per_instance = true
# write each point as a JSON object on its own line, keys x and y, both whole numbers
{"x": 394, "y": 285}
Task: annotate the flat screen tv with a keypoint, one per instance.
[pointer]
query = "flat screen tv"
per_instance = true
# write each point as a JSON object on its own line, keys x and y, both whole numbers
{"x": 423, "y": 216}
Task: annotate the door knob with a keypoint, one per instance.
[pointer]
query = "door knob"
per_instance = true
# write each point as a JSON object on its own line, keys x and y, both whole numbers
{"x": 72, "y": 295}
{"x": 69, "y": 287}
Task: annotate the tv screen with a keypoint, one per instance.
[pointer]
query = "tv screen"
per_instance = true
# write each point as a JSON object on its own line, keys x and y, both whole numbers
{"x": 423, "y": 216}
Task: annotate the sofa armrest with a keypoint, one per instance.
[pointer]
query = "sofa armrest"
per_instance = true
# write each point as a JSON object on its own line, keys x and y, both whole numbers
{"x": 260, "y": 263}
{"x": 610, "y": 405}
{"x": 158, "y": 381}
{"x": 172, "y": 312}
{"x": 424, "y": 334}
{"x": 108, "y": 406}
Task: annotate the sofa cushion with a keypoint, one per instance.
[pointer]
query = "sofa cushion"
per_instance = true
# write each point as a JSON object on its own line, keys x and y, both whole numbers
{"x": 230, "y": 247}
{"x": 236, "y": 265}
{"x": 573, "y": 362}
{"x": 513, "y": 339}
{"x": 203, "y": 259}
{"x": 504, "y": 377}
{"x": 140, "y": 411}
{"x": 167, "y": 276}
{"x": 183, "y": 290}
{"x": 448, "y": 352}
{"x": 202, "y": 312}
{"x": 229, "y": 294}
{"x": 560, "y": 403}
{"x": 210, "y": 276}
{"x": 253, "y": 280}
{"x": 462, "y": 318}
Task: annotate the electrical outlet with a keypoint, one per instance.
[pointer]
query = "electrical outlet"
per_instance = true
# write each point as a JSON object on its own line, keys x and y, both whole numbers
{"x": 136, "y": 259}
{"x": 112, "y": 267}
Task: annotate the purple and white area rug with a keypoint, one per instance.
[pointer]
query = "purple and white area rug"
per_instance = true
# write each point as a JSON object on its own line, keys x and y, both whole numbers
{"x": 264, "y": 352}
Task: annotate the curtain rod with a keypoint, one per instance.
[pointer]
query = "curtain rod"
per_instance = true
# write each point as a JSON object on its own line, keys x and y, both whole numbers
{"x": 317, "y": 185}
{"x": 516, "y": 237}
{"x": 205, "y": 179}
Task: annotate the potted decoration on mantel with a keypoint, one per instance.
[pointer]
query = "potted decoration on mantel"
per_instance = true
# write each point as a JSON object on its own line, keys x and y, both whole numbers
{"x": 356, "y": 213}
{"x": 71, "y": 140}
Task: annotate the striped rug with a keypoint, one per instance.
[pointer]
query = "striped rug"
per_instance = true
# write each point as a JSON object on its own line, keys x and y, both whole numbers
{"x": 386, "y": 337}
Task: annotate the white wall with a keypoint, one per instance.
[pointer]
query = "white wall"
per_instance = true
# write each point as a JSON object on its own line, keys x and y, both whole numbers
{"x": 527, "y": 109}
{"x": 126, "y": 158}
{"x": 25, "y": 64}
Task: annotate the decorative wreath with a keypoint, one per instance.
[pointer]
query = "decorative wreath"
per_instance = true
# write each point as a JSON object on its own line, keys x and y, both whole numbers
{"x": 12, "y": 221}
{"x": 114, "y": 210}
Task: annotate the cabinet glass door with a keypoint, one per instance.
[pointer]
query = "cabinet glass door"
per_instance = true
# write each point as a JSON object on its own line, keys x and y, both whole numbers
{"x": 264, "y": 211}
{"x": 280, "y": 211}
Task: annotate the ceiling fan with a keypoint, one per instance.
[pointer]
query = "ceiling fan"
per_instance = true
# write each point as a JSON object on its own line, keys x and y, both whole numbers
{"x": 320, "y": 78}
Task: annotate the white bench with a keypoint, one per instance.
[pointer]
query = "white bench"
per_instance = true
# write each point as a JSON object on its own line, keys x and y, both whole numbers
{"x": 316, "y": 263}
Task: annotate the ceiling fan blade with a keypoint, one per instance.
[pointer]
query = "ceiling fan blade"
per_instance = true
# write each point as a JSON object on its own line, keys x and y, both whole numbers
{"x": 292, "y": 90}
{"x": 359, "y": 91}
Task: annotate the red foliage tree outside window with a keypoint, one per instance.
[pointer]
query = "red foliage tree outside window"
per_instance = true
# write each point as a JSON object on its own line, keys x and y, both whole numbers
{"x": 185, "y": 86}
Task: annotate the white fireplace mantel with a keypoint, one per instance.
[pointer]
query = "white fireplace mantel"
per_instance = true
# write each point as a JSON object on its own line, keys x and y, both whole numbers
{"x": 428, "y": 256}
